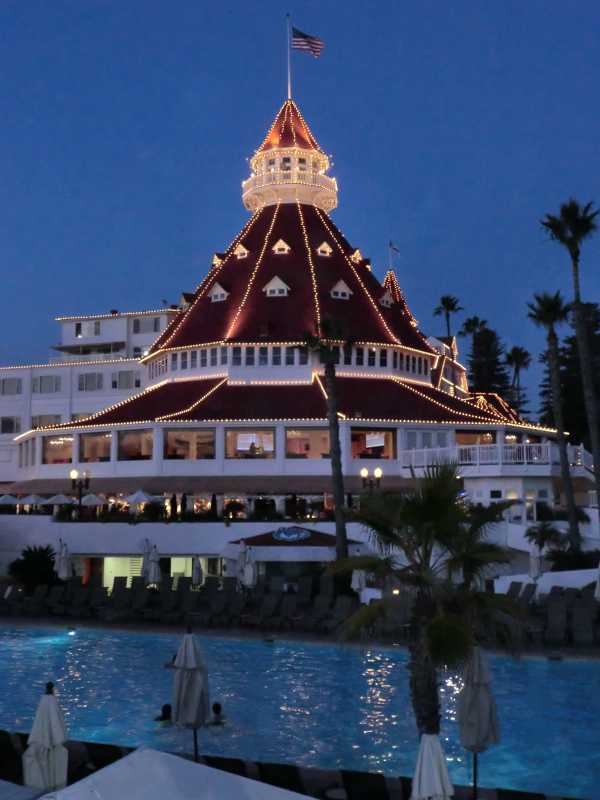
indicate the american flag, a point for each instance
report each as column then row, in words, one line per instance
column 303, row 41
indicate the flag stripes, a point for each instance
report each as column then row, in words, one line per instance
column 304, row 41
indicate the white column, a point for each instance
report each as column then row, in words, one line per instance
column 346, row 451
column 157, row 450
column 280, row 447
column 114, row 446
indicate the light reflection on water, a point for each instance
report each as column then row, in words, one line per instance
column 309, row 704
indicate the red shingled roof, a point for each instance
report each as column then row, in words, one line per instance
column 289, row 130
column 359, row 398
column 248, row 315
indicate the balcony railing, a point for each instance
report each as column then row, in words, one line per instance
column 279, row 177
column 495, row 454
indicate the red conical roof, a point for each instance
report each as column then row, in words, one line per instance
column 289, row 129
column 248, row 314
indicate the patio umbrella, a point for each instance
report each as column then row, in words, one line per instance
column 92, row 500
column 46, row 759
column 8, row 500
column 58, row 500
column 139, row 497
column 431, row 781
column 154, row 573
column 249, row 575
column 190, row 688
column 146, row 558
column 31, row 500
column 359, row 580
column 241, row 561
column 63, row 562
column 477, row 718
column 197, row 575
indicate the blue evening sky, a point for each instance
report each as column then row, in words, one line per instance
column 125, row 126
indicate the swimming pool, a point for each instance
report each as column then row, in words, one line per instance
column 307, row 703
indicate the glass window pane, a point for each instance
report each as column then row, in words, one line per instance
column 249, row 356
column 307, row 443
column 290, row 356
column 250, row 443
column 135, row 445
column 376, row 443
column 411, row 440
column 57, row 449
column 360, row 356
column 237, row 356
column 371, row 357
column 276, row 356
column 263, row 356
column 94, row 447
column 189, row 444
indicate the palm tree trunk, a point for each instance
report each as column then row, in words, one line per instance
column 448, row 323
column 574, row 535
column 587, row 382
column 423, row 674
column 337, row 475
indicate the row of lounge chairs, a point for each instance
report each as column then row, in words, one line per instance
column 563, row 616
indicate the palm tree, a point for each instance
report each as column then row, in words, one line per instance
column 327, row 346
column 547, row 311
column 545, row 534
column 519, row 359
column 571, row 228
column 471, row 327
column 422, row 536
column 448, row 305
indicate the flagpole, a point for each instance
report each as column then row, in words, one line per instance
column 289, row 57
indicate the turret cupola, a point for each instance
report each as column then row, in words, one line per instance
column 289, row 166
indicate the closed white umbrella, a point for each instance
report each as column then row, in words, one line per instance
column 597, row 589
column 359, row 580
column 139, row 497
column 241, row 561
column 154, row 573
column 190, row 688
column 477, row 717
column 92, row 500
column 146, row 559
column 250, row 574
column 535, row 563
column 8, row 500
column 197, row 575
column 46, row 759
column 63, row 562
column 58, row 500
column 431, row 781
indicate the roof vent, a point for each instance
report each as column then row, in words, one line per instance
column 324, row 249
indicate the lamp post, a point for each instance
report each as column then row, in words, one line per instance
column 374, row 482
column 78, row 484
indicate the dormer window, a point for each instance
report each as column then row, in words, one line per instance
column 281, row 248
column 276, row 288
column 240, row 251
column 341, row 291
column 217, row 293
column 324, row 249
column 386, row 300
column 356, row 257
column 217, row 260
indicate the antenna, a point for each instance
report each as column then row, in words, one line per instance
column 289, row 56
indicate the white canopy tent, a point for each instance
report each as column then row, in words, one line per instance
column 92, row 501
column 152, row 775
column 31, row 500
column 139, row 498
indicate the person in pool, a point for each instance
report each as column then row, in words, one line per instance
column 165, row 717
column 217, row 718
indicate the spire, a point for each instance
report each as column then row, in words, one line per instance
column 390, row 283
column 289, row 166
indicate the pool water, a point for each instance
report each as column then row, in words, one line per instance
column 323, row 705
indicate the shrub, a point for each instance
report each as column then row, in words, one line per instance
column 34, row 568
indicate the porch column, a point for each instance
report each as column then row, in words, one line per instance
column 114, row 446
column 500, row 441
column 157, row 449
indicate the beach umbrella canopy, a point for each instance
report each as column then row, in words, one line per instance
column 197, row 575
column 92, row 500
column 31, row 500
column 190, row 688
column 46, row 759
column 63, row 562
column 431, row 781
column 477, row 716
column 58, row 500
column 8, row 500
column 154, row 573
column 139, row 497
column 359, row 580
column 250, row 574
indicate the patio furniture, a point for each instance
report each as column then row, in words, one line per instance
column 267, row 609
column 187, row 604
column 35, row 605
column 286, row 613
column 514, row 590
column 583, row 616
column 312, row 616
column 98, row 599
column 344, row 607
column 556, row 621
column 231, row 614
column 166, row 603
column 54, row 598
column 285, row 776
column 527, row 595
column 79, row 605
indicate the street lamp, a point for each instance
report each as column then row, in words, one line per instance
column 374, row 482
column 78, row 484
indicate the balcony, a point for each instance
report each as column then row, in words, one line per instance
column 478, row 458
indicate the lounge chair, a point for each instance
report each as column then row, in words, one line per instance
column 345, row 605
column 165, row 603
column 211, row 604
column 79, row 605
column 284, row 776
column 98, row 599
column 583, row 616
column 53, row 597
column 364, row 785
column 36, row 604
column 327, row 585
column 286, row 613
column 276, row 584
column 117, row 604
column 313, row 615
column 571, row 595
column 527, row 595
column 514, row 590
column 138, row 583
column 183, row 584
column 188, row 604
column 395, row 620
column 588, row 591
column 231, row 614
column 229, row 585
column 305, row 590
column 556, row 621
column 267, row 609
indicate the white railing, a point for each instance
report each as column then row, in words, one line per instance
column 279, row 177
column 490, row 454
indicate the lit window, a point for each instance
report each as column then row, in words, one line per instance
column 263, row 356
column 286, row 163
column 290, row 353
column 307, row 443
column 277, row 356
column 217, row 293
column 57, row 449
column 373, row 443
column 184, row 360
column 214, row 353
column 203, row 358
column 134, row 445
column 240, row 251
column 247, row 443
column 249, row 356
column 43, row 420
column 187, row 444
column 302, row 164
column 281, row 248
column 94, row 447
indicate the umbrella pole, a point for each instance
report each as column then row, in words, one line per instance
column 475, row 776
column 196, row 745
